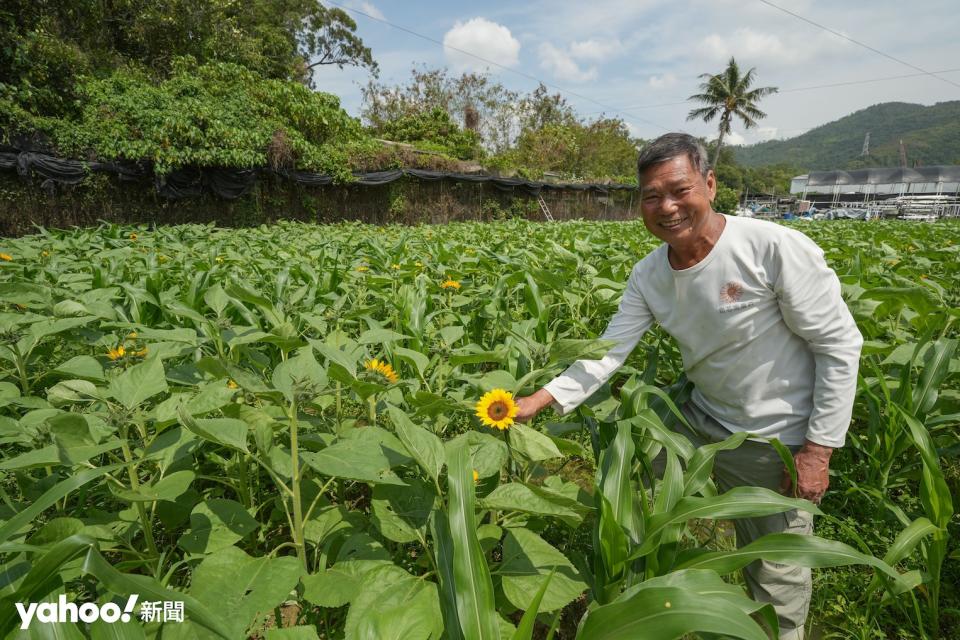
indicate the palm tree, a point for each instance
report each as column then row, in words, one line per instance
column 728, row 94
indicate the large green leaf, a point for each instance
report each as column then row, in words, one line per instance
column 341, row 583
column 936, row 367
column 228, row 432
column 615, row 468
column 667, row 613
column 739, row 502
column 788, row 548
column 393, row 605
column 531, row 444
column 471, row 576
column 424, row 446
column 935, row 495
column 167, row 488
column 361, row 460
column 528, row 498
column 487, row 453
column 215, row 525
column 529, row 620
column 300, row 374
column 85, row 367
column 527, row 560
column 402, row 513
column 230, row 580
column 138, row 383
column 700, row 465
column 567, row 350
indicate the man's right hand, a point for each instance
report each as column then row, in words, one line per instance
column 529, row 406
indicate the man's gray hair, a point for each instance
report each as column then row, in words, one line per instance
column 670, row 146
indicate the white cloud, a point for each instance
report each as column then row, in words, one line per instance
column 483, row 38
column 372, row 10
column 755, row 47
column 762, row 134
column 367, row 7
column 747, row 43
column 662, row 81
column 734, row 138
column 595, row 49
column 560, row 64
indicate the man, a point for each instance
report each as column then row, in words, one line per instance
column 765, row 337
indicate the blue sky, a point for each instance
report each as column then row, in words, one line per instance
column 639, row 58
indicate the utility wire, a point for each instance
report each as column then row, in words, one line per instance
column 810, row 88
column 858, row 43
column 496, row 64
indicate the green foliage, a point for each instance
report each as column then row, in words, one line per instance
column 48, row 47
column 436, row 128
column 241, row 452
column 931, row 135
column 753, row 180
column 434, row 111
column 588, row 151
column 216, row 114
column 726, row 95
column 726, row 200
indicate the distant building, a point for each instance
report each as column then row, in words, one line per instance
column 889, row 190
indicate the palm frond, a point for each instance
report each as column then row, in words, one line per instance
column 705, row 113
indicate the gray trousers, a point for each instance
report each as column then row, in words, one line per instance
column 757, row 464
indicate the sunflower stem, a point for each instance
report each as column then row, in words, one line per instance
column 298, row 539
column 513, row 461
column 339, row 403
column 372, row 402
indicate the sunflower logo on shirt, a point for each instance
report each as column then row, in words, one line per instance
column 731, row 292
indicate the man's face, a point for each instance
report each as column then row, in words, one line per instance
column 675, row 201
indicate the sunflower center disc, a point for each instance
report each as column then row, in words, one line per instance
column 498, row 410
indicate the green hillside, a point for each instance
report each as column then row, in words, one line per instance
column 931, row 136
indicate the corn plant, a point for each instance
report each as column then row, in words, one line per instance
column 278, row 423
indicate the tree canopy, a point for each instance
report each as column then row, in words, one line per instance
column 51, row 48
column 728, row 94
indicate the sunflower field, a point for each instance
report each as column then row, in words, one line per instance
column 298, row 431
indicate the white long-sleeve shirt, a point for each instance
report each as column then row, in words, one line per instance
column 765, row 336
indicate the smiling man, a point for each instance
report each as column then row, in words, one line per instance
column 765, row 337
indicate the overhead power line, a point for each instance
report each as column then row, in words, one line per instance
column 810, row 88
column 496, row 64
column 858, row 43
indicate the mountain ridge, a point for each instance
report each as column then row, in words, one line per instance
column 931, row 135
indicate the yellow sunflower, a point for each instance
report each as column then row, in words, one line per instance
column 383, row 368
column 133, row 237
column 497, row 409
column 476, row 476
column 232, row 385
column 450, row 284
column 6, row 257
column 362, row 268
column 116, row 354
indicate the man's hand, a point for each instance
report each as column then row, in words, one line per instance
column 813, row 465
column 529, row 406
